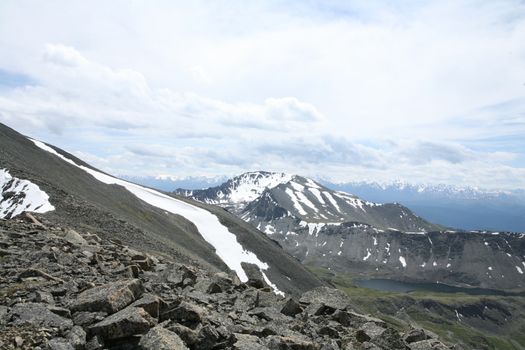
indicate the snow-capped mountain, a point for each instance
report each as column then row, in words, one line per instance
column 260, row 197
column 40, row 178
column 462, row 207
column 344, row 233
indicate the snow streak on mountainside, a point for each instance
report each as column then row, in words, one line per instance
column 18, row 196
column 218, row 235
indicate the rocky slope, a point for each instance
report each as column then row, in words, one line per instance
column 67, row 289
column 344, row 233
column 85, row 198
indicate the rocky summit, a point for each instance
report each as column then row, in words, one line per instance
column 63, row 289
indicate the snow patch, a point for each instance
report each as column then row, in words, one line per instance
column 24, row 196
column 403, row 261
column 209, row 226
column 295, row 201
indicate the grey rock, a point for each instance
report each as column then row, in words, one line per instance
column 372, row 330
column 177, row 274
column 290, row 343
column 330, row 297
column 44, row 297
column 429, row 344
column 185, row 313
column 291, row 308
column 247, row 342
column 77, row 337
column 255, row 276
column 415, row 335
column 4, row 315
column 84, row 318
column 159, row 338
column 95, row 343
column 127, row 322
column 109, row 298
column 188, row 335
column 75, row 238
column 39, row 315
column 151, row 303
column 59, row 344
column 61, row 311
column 208, row 338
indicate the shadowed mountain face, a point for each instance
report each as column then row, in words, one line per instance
column 89, row 200
column 343, row 233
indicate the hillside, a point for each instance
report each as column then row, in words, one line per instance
column 88, row 199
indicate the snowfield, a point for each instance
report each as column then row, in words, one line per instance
column 27, row 196
column 218, row 235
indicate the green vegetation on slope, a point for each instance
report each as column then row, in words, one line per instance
column 481, row 321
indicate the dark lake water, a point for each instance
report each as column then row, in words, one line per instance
column 387, row 285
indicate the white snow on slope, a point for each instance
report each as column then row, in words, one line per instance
column 295, row 201
column 403, row 261
column 306, row 201
column 218, row 235
column 249, row 189
column 519, row 270
column 317, row 194
column 29, row 197
column 332, row 200
column 367, row 254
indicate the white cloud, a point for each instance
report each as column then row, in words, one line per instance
column 341, row 88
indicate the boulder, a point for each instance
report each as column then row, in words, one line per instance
column 372, row 330
column 132, row 320
column 188, row 335
column 159, row 338
column 59, row 344
column 77, row 337
column 74, row 238
column 84, row 318
column 95, row 343
column 290, row 343
column 429, row 344
column 38, row 315
column 415, row 335
column 355, row 320
column 151, row 303
column 178, row 274
column 247, row 342
column 329, row 297
column 255, row 276
column 185, row 313
column 109, row 298
column 291, row 308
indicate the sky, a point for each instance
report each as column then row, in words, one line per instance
column 417, row 91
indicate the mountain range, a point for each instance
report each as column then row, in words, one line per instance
column 463, row 207
column 244, row 264
column 346, row 234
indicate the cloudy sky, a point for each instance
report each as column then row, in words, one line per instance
column 420, row 91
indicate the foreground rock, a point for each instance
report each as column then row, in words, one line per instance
column 109, row 298
column 82, row 293
column 159, row 338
